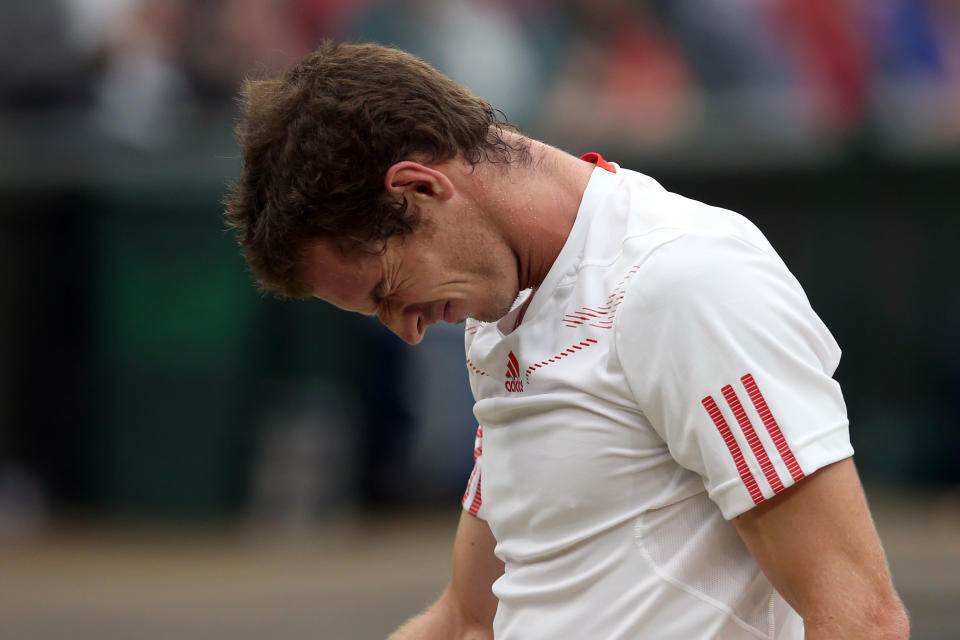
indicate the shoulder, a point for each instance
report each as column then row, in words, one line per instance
column 708, row 300
column 691, row 267
column 702, row 291
column 670, row 271
column 640, row 221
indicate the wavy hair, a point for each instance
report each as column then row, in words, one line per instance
column 318, row 141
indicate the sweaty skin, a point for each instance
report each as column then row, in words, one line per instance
column 490, row 231
column 481, row 240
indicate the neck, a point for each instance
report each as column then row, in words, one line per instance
column 541, row 206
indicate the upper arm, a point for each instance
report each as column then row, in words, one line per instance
column 732, row 367
column 817, row 545
column 475, row 568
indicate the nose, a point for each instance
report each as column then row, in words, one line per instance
column 409, row 325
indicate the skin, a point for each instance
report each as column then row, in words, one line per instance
column 467, row 607
column 488, row 232
column 483, row 237
column 815, row 542
column 817, row 545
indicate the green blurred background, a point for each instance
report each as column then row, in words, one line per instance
column 147, row 389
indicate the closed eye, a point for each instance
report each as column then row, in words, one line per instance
column 377, row 295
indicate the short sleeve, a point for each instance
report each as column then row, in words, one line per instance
column 472, row 500
column 733, row 368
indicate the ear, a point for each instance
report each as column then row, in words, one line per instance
column 414, row 180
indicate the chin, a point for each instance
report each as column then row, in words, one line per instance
column 494, row 313
column 488, row 317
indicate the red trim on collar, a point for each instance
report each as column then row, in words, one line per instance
column 597, row 159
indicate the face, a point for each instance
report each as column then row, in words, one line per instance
column 435, row 273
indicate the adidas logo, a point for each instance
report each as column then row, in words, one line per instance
column 513, row 383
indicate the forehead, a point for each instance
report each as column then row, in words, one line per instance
column 343, row 279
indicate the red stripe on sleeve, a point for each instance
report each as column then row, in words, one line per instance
column 745, row 474
column 759, row 451
column 772, row 427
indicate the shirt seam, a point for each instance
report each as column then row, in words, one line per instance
column 683, row 232
column 693, row 591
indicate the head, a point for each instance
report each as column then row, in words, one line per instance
column 454, row 265
column 318, row 145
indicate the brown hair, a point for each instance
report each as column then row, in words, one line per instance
column 318, row 141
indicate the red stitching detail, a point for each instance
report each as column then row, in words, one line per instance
column 474, row 368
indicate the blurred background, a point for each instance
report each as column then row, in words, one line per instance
column 182, row 457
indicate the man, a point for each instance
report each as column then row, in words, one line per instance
column 662, row 452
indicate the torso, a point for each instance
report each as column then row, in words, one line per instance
column 602, row 533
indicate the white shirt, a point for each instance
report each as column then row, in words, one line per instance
column 668, row 375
